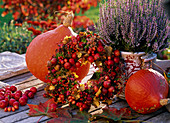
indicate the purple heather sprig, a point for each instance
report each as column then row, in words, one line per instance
column 134, row 25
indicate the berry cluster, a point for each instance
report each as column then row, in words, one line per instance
column 73, row 52
column 11, row 98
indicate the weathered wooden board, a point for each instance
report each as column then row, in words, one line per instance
column 12, row 64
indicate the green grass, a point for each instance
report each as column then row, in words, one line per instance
column 92, row 13
column 6, row 19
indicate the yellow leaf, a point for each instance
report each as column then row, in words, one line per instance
column 79, row 54
column 96, row 101
column 98, row 92
column 109, row 101
column 51, row 87
column 75, row 75
column 82, row 87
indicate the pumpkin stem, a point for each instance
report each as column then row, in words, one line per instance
column 165, row 101
column 68, row 20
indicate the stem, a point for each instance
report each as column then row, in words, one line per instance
column 68, row 20
column 40, row 119
column 164, row 102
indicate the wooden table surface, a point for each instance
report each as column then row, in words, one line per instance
column 27, row 80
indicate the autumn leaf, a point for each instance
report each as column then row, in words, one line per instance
column 42, row 109
column 115, row 114
column 80, row 117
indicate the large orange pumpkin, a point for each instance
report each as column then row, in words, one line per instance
column 146, row 90
column 43, row 47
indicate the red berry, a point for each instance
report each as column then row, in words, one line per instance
column 2, row 97
column 45, row 95
column 13, row 88
column 104, row 91
column 33, row 90
column 6, row 109
column 53, row 107
column 91, row 59
column 78, row 64
column 22, row 101
column 84, row 106
column 26, row 92
column 111, row 89
column 73, row 102
column 7, row 88
column 25, row 96
column 67, row 65
column 54, row 81
column 106, row 77
column 31, row 95
column 71, row 60
column 96, row 88
column 53, row 60
column 107, row 84
column 13, row 95
column 11, row 101
column 17, row 96
column 9, row 109
column 13, row 109
column 81, row 44
column 3, row 104
column 116, row 52
column 81, row 108
column 20, row 92
column 1, row 93
column 96, row 56
column 100, row 48
column 110, row 62
column 116, row 59
column 16, row 105
column 74, row 55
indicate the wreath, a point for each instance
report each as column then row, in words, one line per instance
column 74, row 51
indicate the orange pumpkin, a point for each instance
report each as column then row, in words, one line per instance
column 43, row 47
column 146, row 90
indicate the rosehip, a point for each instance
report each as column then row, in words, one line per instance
column 67, row 65
column 26, row 92
column 100, row 48
column 11, row 101
column 9, row 109
column 33, row 90
column 13, row 88
column 116, row 59
column 31, row 95
column 107, row 84
column 104, row 91
column 54, row 81
column 22, row 101
column 91, row 59
column 25, row 96
column 71, row 60
column 81, row 44
column 53, row 60
column 3, row 104
column 13, row 109
column 20, row 92
column 116, row 52
column 74, row 55
column 17, row 96
column 6, row 109
column 110, row 62
column 78, row 64
column 111, row 89
column 96, row 56
column 16, row 105
column 2, row 97
column 53, row 107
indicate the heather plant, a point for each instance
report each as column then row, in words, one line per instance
column 134, row 25
column 15, row 38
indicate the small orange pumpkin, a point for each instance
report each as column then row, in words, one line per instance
column 146, row 91
column 43, row 47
